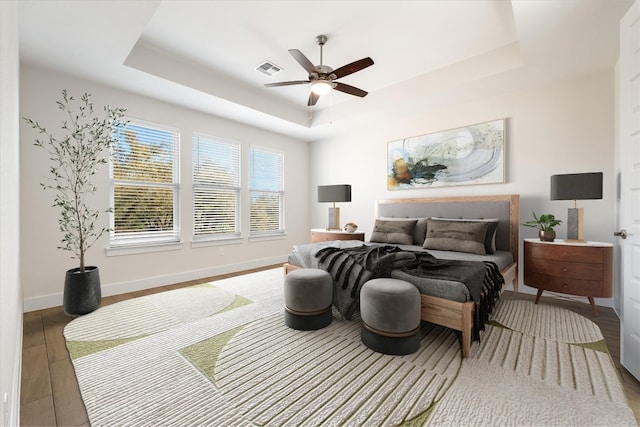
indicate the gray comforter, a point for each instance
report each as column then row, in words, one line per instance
column 352, row 264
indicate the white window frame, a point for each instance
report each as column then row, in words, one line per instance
column 216, row 237
column 150, row 238
column 281, row 192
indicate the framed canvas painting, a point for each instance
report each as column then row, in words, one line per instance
column 463, row 156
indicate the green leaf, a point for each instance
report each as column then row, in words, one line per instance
column 74, row 157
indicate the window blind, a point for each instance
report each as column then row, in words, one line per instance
column 266, row 192
column 144, row 172
column 216, row 187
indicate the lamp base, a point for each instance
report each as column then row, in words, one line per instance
column 575, row 225
column 334, row 219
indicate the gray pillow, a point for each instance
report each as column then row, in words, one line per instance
column 490, row 238
column 393, row 231
column 419, row 232
column 458, row 236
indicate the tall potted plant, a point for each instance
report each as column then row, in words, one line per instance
column 75, row 156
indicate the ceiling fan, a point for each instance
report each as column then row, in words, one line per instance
column 322, row 77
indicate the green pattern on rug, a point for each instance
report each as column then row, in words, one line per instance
column 496, row 324
column 421, row 419
column 596, row 345
column 202, row 285
column 239, row 301
column 242, row 365
column 240, row 362
column 599, row 345
column 84, row 348
column 204, row 355
column 145, row 312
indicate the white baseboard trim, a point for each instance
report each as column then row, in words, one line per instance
column 55, row 300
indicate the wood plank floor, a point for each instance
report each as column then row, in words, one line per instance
column 51, row 397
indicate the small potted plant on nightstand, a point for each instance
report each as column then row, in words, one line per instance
column 544, row 223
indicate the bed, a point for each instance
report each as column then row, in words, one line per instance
column 452, row 309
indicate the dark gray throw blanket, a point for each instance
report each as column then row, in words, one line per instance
column 352, row 267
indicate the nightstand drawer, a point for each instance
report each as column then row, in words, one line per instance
column 573, row 270
column 581, row 287
column 585, row 254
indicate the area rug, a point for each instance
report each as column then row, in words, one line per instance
column 219, row 354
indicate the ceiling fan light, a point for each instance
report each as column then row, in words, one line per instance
column 321, row 87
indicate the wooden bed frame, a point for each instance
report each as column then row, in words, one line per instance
column 452, row 314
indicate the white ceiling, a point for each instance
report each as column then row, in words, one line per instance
column 203, row 54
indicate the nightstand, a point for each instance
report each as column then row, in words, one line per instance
column 583, row 269
column 322, row 235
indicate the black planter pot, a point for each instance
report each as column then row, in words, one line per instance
column 82, row 293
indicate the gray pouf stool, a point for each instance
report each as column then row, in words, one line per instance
column 308, row 293
column 390, row 311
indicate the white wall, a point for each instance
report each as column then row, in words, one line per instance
column 43, row 266
column 561, row 127
column 10, row 289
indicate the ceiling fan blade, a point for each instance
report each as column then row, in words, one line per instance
column 313, row 98
column 351, row 90
column 353, row 67
column 303, row 60
column 294, row 82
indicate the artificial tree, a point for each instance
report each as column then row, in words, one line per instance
column 75, row 157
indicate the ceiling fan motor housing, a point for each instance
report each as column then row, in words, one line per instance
column 324, row 73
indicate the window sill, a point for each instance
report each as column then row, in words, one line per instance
column 141, row 249
column 267, row 237
column 203, row 243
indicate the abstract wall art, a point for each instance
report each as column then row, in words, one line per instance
column 467, row 155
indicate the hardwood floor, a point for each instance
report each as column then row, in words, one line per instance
column 51, row 397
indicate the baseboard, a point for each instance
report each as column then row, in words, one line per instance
column 55, row 300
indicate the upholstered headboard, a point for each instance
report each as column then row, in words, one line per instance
column 504, row 207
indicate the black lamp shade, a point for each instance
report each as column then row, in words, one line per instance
column 576, row 186
column 334, row 193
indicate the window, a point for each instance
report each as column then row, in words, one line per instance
column 144, row 190
column 266, row 192
column 216, row 188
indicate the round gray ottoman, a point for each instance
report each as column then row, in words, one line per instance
column 390, row 311
column 308, row 293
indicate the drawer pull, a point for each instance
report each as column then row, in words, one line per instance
column 564, row 285
column 565, row 270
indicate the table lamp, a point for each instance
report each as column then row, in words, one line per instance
column 576, row 186
column 333, row 194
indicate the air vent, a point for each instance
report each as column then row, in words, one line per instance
column 269, row 68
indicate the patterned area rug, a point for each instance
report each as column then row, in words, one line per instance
column 220, row 354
